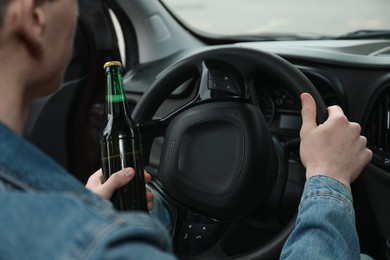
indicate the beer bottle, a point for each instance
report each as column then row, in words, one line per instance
column 121, row 142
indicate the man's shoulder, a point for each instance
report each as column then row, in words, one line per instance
column 26, row 167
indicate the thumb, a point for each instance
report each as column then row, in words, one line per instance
column 115, row 181
column 308, row 112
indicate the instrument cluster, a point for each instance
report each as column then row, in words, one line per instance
column 280, row 108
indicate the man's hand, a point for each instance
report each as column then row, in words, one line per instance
column 334, row 148
column 105, row 189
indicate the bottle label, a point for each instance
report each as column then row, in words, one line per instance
column 116, row 98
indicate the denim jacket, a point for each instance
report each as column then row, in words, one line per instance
column 325, row 225
column 45, row 213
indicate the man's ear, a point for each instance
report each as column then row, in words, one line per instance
column 30, row 21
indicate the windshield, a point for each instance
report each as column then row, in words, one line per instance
column 330, row 18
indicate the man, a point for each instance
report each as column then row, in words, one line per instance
column 47, row 214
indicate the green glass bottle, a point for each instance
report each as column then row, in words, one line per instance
column 121, row 142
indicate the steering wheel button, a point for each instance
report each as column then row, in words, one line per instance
column 213, row 75
column 223, row 86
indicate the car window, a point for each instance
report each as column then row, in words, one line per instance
column 301, row 17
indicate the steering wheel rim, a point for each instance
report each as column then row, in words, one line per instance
column 153, row 98
column 188, row 67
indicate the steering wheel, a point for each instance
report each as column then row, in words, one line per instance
column 218, row 162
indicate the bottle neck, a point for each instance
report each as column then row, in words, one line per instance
column 116, row 102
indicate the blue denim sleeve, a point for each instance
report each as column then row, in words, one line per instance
column 325, row 225
column 46, row 213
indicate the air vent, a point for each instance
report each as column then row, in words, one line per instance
column 378, row 130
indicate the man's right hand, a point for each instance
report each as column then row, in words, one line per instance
column 105, row 189
column 334, row 148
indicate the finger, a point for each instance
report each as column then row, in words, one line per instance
column 149, row 199
column 149, row 195
column 148, row 177
column 336, row 111
column 115, row 181
column 95, row 179
column 308, row 112
column 120, row 178
column 369, row 155
column 150, row 205
column 356, row 128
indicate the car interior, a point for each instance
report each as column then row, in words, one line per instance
column 220, row 120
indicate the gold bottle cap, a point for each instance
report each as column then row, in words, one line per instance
column 112, row 63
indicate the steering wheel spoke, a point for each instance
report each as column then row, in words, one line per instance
column 218, row 80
